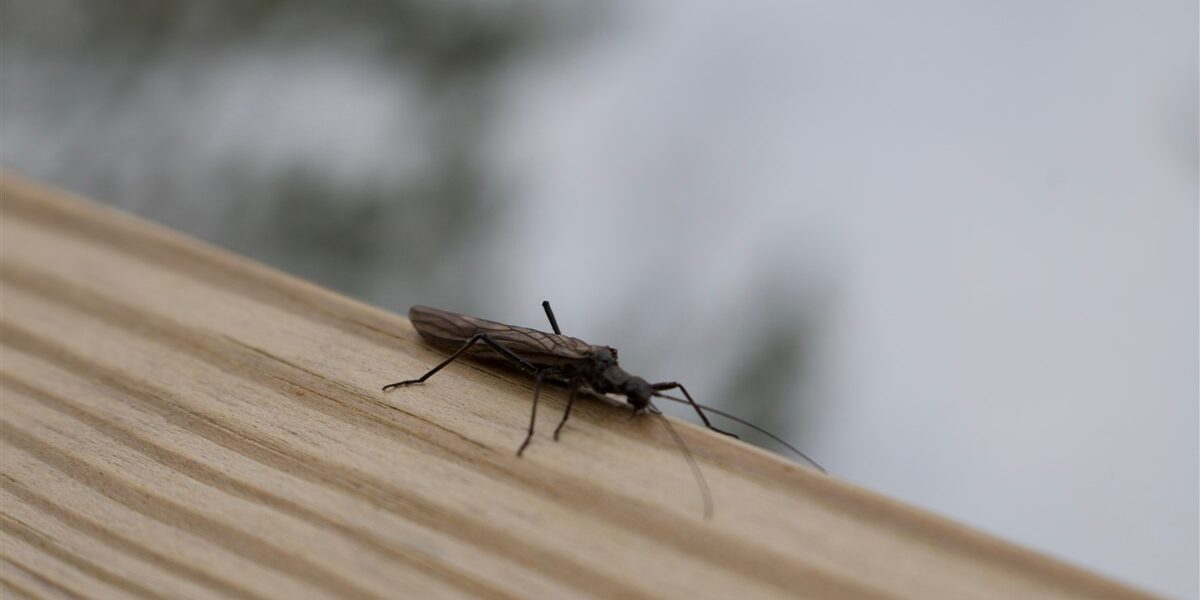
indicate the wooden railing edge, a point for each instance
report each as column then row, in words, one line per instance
column 70, row 213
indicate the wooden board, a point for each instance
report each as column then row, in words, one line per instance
column 180, row 422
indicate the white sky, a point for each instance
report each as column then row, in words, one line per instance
column 1003, row 198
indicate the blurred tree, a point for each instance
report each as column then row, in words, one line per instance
column 772, row 384
column 193, row 113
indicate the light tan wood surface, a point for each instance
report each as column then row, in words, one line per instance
column 180, row 422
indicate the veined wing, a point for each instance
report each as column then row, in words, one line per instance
column 448, row 331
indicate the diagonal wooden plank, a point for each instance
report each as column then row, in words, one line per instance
column 217, row 428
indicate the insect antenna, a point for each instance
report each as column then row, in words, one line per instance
column 747, row 424
column 687, row 453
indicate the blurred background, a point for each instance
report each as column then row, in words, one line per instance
column 949, row 249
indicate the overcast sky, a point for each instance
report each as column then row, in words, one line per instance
column 1000, row 198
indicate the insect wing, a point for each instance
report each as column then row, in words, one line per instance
column 449, row 330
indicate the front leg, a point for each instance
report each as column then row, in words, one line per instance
column 670, row 385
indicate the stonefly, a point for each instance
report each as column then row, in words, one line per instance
column 565, row 360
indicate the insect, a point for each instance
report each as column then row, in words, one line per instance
column 561, row 359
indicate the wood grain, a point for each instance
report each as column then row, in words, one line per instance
column 180, row 422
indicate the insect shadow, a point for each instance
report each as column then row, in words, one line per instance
column 565, row 360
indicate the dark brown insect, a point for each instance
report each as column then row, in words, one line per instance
column 561, row 359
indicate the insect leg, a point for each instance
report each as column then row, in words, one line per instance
column 509, row 354
column 567, row 411
column 550, row 315
column 670, row 385
column 537, row 389
column 505, row 352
